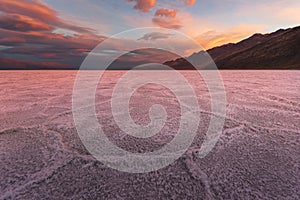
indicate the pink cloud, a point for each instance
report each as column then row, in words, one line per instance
column 27, row 28
column 167, row 22
column 167, row 19
column 39, row 12
column 166, row 13
column 22, row 23
column 189, row 2
column 11, row 40
column 143, row 5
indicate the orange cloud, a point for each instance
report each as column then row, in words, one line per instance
column 143, row 5
column 167, row 19
column 189, row 2
column 170, row 23
column 166, row 13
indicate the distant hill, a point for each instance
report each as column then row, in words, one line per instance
column 10, row 64
column 278, row 50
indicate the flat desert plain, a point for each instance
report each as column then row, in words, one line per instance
column 256, row 157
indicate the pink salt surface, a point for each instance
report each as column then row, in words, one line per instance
column 257, row 156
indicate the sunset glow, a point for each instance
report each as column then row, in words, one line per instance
column 62, row 32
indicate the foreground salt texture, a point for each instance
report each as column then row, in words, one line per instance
column 257, row 156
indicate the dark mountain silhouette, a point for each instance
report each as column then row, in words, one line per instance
column 9, row 64
column 278, row 50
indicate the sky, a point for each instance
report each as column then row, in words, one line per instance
column 59, row 34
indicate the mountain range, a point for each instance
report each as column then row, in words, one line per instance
column 277, row 50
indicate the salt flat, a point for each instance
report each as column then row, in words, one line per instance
column 256, row 157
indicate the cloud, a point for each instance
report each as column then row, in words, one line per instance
column 171, row 23
column 155, row 36
column 143, row 5
column 11, row 40
column 28, row 30
column 39, row 12
column 163, row 17
column 43, row 44
column 189, row 2
column 22, row 23
column 166, row 13
column 167, row 19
